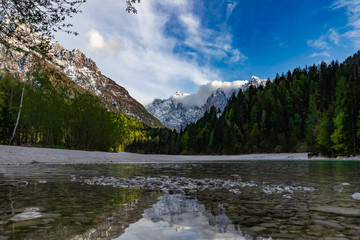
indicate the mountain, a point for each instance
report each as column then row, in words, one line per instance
column 84, row 72
column 181, row 109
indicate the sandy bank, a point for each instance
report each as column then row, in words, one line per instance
column 24, row 155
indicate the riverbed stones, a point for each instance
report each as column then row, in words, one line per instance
column 180, row 184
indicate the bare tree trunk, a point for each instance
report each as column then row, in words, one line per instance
column 19, row 113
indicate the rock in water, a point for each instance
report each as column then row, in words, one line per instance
column 338, row 188
column 28, row 214
column 350, row 212
column 356, row 196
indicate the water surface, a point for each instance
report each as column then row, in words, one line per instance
column 224, row 200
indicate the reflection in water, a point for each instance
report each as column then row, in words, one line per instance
column 283, row 200
column 178, row 217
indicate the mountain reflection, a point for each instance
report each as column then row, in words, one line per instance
column 179, row 217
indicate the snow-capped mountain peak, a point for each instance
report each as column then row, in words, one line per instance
column 255, row 81
column 181, row 109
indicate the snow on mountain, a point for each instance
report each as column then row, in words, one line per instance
column 181, row 109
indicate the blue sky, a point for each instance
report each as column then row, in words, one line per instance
column 175, row 45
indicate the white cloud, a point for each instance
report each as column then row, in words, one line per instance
column 230, row 8
column 334, row 36
column 208, row 42
column 234, row 54
column 204, row 91
column 143, row 56
column 321, row 54
column 319, row 43
column 96, row 42
column 190, row 22
column 353, row 14
column 324, row 43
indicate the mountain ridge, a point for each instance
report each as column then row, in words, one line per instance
column 84, row 72
column 177, row 112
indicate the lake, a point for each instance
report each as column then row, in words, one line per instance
column 215, row 200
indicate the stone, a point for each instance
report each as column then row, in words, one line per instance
column 328, row 224
column 298, row 223
column 269, row 225
column 350, row 212
column 353, row 232
column 28, row 214
column 316, row 228
column 356, row 196
column 235, row 177
column 282, row 227
column 235, row 191
column 335, row 238
column 338, row 188
column 257, row 229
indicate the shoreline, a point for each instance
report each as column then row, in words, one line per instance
column 12, row 155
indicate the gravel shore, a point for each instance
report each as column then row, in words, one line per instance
column 25, row 155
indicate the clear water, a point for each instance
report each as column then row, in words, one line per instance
column 277, row 199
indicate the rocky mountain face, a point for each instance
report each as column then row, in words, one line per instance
column 176, row 115
column 84, row 72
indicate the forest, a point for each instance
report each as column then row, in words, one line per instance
column 56, row 115
column 312, row 109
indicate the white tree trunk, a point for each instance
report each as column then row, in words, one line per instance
column 19, row 113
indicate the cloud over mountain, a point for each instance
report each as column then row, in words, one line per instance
column 204, row 91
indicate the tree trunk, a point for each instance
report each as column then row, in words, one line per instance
column 19, row 113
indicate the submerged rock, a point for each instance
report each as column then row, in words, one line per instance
column 350, row 212
column 28, row 214
column 338, row 188
column 72, row 178
column 20, row 184
column 356, row 196
column 329, row 224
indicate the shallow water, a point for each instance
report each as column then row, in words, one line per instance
column 227, row 200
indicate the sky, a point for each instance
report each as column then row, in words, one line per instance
column 172, row 45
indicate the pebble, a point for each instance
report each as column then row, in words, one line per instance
column 257, row 229
column 356, row 196
column 338, row 188
column 72, row 178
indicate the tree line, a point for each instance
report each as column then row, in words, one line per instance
column 314, row 109
column 57, row 115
